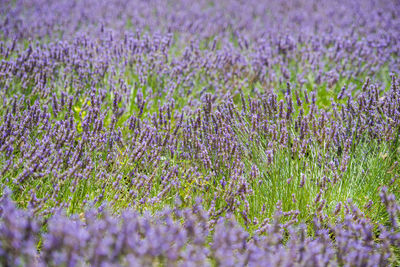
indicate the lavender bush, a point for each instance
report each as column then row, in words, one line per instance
column 222, row 133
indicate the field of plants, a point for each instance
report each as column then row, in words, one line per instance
column 199, row 133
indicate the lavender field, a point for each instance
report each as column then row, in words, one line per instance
column 199, row 133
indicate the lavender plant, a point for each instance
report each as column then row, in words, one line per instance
column 223, row 133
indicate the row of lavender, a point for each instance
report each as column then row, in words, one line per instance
column 97, row 239
column 377, row 21
column 236, row 105
column 139, row 125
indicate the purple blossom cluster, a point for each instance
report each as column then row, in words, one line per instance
column 251, row 20
column 96, row 238
column 270, row 127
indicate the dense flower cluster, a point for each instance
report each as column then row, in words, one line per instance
column 96, row 238
column 270, row 127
